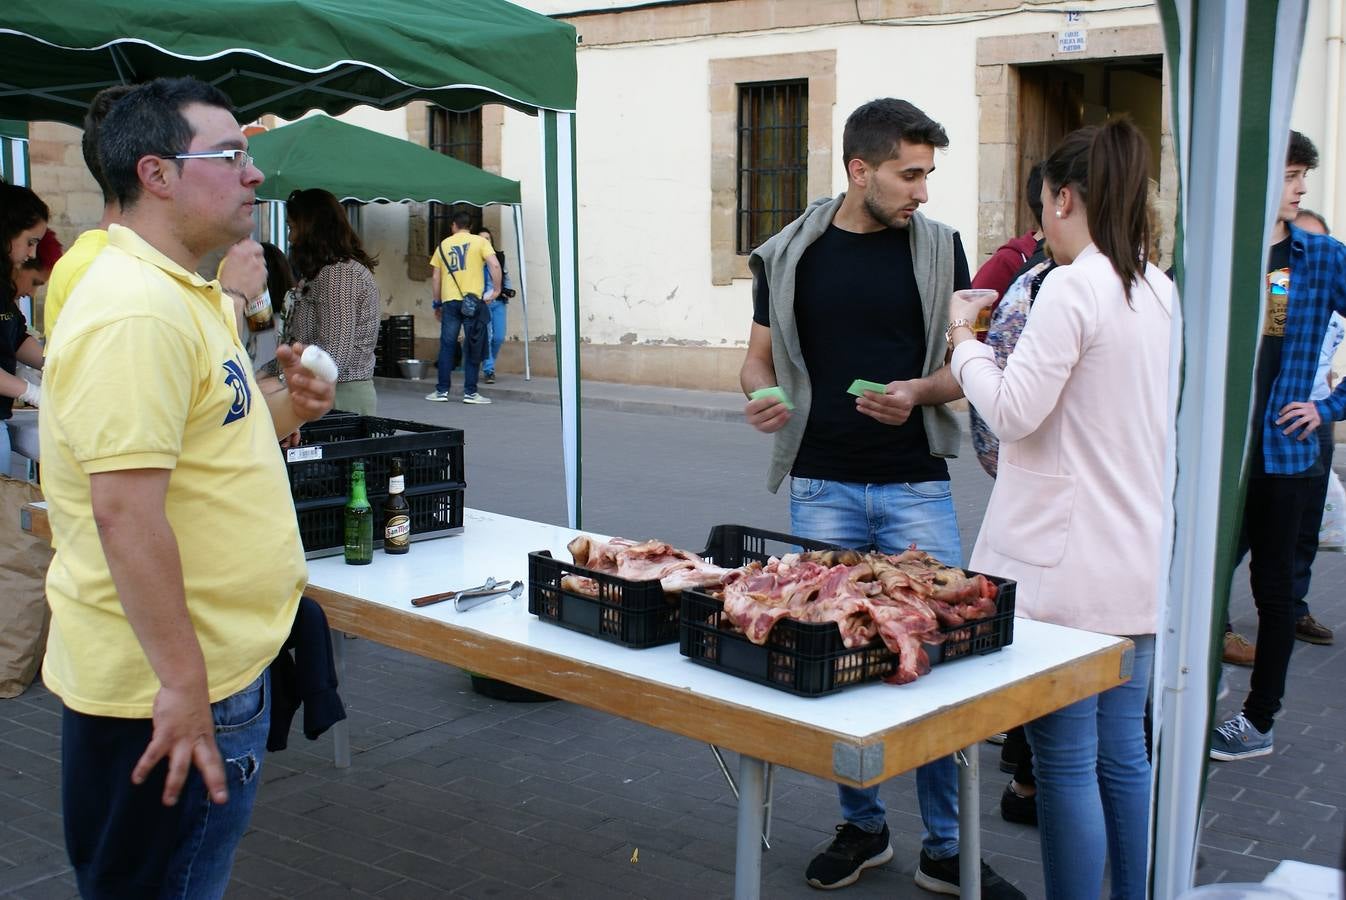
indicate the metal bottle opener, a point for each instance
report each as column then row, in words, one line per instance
column 467, row 598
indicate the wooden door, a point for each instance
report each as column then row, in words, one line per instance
column 1051, row 105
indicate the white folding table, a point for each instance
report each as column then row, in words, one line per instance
column 861, row 735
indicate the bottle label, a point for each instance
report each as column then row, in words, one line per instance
column 395, row 484
column 397, row 530
column 258, row 312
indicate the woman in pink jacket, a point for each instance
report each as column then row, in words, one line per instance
column 1082, row 412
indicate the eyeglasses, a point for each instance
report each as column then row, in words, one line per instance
column 240, row 159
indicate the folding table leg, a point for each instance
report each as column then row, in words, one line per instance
column 969, row 822
column 748, row 842
column 341, row 731
column 770, row 786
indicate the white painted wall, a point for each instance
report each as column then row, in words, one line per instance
column 644, row 162
column 1310, row 115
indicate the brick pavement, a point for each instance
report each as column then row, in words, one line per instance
column 453, row 793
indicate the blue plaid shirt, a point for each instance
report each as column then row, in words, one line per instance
column 1317, row 289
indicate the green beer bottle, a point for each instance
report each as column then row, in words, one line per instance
column 359, row 521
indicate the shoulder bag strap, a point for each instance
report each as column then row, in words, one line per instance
column 461, row 295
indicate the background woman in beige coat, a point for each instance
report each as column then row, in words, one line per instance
column 1076, row 516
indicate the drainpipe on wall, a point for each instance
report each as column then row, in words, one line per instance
column 1331, row 202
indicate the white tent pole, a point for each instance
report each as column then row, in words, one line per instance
column 15, row 168
column 1209, row 133
column 21, row 174
column 1211, row 50
column 521, row 265
column 568, row 326
column 558, row 155
column 280, row 235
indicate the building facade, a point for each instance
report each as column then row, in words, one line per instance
column 703, row 126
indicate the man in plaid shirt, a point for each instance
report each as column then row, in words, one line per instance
column 1305, row 283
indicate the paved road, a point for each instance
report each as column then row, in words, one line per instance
column 452, row 793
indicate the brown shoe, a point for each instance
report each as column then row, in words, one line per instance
column 1309, row 629
column 1238, row 650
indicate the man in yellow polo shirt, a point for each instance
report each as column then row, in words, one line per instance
column 247, row 281
column 178, row 564
column 458, row 267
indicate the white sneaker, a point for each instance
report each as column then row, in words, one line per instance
column 475, row 398
column 438, row 396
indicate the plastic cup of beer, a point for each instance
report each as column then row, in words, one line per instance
column 973, row 295
column 258, row 312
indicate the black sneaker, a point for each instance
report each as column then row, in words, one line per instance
column 1018, row 809
column 851, row 852
column 941, row 877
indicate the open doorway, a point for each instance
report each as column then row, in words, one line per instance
column 1056, row 98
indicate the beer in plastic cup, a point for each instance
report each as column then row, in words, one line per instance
column 258, row 312
column 983, row 322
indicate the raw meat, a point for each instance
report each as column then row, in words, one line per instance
column 648, row 561
column 903, row 599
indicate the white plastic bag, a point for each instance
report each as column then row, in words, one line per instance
column 1332, row 533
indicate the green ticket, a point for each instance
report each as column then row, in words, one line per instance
column 773, row 391
column 859, row 386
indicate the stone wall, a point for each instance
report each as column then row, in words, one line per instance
column 61, row 179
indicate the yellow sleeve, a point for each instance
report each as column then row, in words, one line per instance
column 122, row 394
column 435, row 260
column 64, row 276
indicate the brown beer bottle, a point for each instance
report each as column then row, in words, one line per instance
column 396, row 513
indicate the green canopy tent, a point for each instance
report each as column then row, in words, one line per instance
column 286, row 57
column 355, row 163
column 358, row 164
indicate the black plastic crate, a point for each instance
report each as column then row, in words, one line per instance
column 810, row 659
column 396, row 341
column 638, row 613
column 319, row 472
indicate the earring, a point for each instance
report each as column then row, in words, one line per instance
column 1058, row 214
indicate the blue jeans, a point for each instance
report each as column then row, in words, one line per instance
column 888, row 518
column 1094, row 788
column 6, row 460
column 122, row 840
column 495, row 334
column 451, row 321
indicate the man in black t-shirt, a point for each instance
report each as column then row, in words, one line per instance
column 858, row 288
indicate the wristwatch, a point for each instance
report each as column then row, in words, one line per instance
column 956, row 323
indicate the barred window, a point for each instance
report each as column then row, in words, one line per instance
column 773, row 150
column 456, row 134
